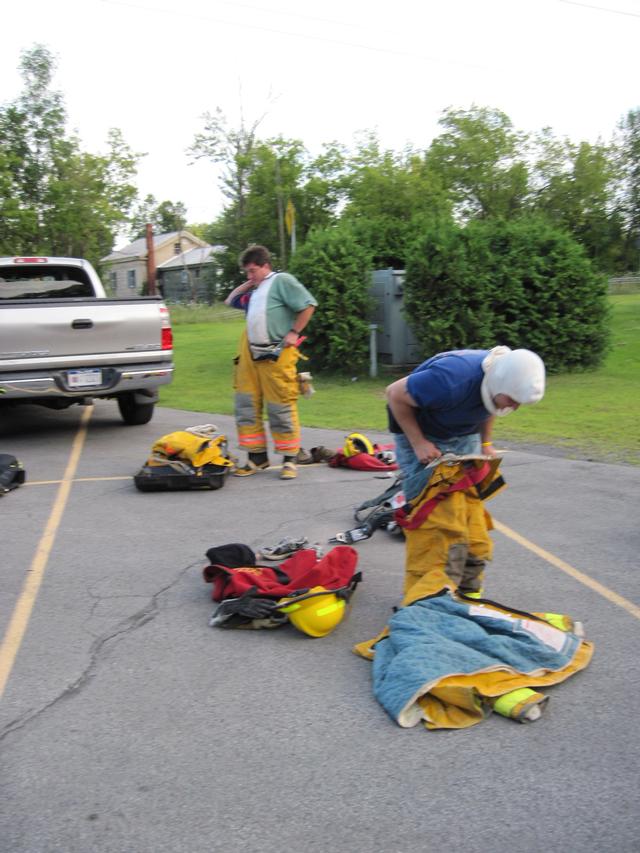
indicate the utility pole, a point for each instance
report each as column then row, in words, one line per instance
column 290, row 222
column 283, row 245
column 151, row 261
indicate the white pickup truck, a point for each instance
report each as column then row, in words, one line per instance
column 63, row 341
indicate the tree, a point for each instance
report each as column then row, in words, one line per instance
column 233, row 148
column 390, row 198
column 31, row 128
column 165, row 217
column 629, row 160
column 275, row 179
column 54, row 197
column 321, row 193
column 573, row 186
column 258, row 183
column 521, row 283
column 481, row 162
column 336, row 268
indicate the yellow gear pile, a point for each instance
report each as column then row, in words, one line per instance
column 193, row 458
column 197, row 446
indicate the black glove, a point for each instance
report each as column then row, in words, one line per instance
column 249, row 606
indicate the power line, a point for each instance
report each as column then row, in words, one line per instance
column 291, row 14
column 311, row 37
column 601, row 8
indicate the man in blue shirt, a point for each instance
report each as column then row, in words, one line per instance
column 448, row 405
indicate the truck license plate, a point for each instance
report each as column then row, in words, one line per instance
column 84, row 378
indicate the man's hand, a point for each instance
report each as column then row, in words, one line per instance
column 290, row 339
column 426, row 451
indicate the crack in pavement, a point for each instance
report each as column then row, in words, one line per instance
column 274, row 531
column 124, row 628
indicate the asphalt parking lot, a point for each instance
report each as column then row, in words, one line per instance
column 128, row 724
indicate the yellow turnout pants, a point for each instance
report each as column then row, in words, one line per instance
column 272, row 385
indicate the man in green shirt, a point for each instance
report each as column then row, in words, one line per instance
column 278, row 308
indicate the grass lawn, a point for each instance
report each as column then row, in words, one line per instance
column 596, row 412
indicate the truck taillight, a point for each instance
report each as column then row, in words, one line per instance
column 166, row 335
column 31, row 260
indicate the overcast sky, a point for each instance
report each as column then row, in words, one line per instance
column 322, row 71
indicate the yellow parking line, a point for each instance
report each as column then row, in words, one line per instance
column 77, row 480
column 601, row 589
column 22, row 611
column 129, row 477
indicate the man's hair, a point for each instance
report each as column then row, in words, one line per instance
column 258, row 255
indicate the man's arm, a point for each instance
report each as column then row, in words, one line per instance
column 403, row 408
column 238, row 291
column 299, row 323
column 485, row 437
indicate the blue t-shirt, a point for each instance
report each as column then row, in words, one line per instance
column 446, row 388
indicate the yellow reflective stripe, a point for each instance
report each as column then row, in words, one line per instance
column 506, row 703
column 289, row 608
column 330, row 608
column 558, row 620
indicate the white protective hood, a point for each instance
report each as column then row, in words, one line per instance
column 518, row 373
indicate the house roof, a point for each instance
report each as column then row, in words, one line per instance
column 192, row 257
column 138, row 249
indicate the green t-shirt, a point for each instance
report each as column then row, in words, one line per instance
column 285, row 300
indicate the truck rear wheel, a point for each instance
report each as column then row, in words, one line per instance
column 134, row 413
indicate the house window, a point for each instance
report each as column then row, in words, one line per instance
column 131, row 279
column 177, row 248
column 113, row 281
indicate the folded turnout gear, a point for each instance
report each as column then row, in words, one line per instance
column 194, row 458
column 254, row 596
column 448, row 662
column 12, row 474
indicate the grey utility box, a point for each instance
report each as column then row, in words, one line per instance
column 396, row 343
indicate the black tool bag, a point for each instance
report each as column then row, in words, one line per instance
column 180, row 476
column 12, row 474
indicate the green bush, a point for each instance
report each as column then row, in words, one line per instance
column 522, row 283
column 336, row 268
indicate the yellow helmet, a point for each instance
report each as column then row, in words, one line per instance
column 316, row 613
column 356, row 443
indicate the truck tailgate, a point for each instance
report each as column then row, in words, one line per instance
column 53, row 329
